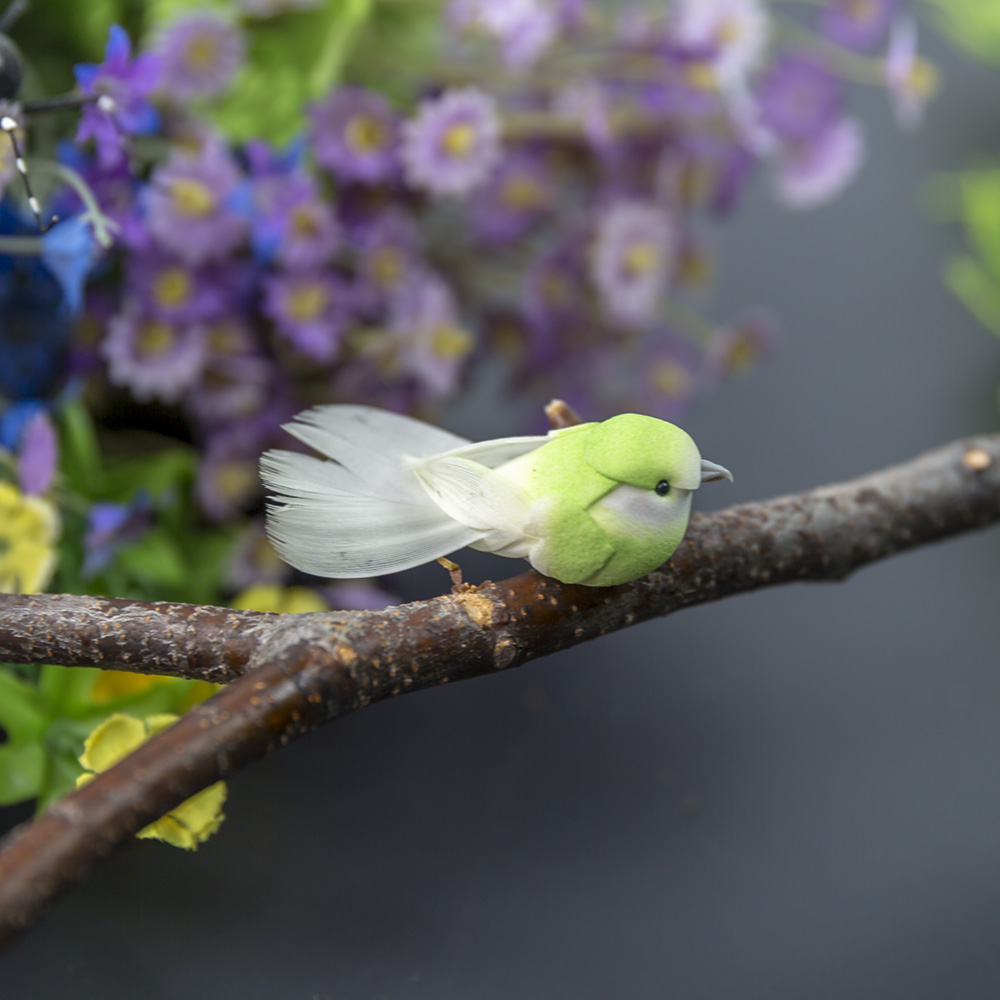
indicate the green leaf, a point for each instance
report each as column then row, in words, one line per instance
column 981, row 214
column 155, row 560
column 21, row 713
column 293, row 58
column 76, row 690
column 22, row 772
column 165, row 469
column 51, row 687
column 973, row 24
column 352, row 15
column 60, row 778
column 976, row 289
column 80, row 454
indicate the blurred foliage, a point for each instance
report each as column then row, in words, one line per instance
column 972, row 196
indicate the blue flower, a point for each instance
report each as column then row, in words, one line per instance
column 122, row 86
column 35, row 326
column 70, row 252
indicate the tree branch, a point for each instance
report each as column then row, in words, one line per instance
column 290, row 673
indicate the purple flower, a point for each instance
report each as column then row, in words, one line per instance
column 114, row 188
column 799, row 98
column 174, row 291
column 671, row 368
column 227, row 481
column 38, row 456
column 735, row 349
column 633, row 255
column 237, row 382
column 555, row 300
column 358, row 595
column 586, row 102
column 200, row 54
column 152, row 357
column 453, row 143
column 524, row 28
column 355, row 135
column 433, row 345
column 733, row 172
column 387, row 254
column 308, row 233
column 857, row 24
column 122, row 86
column 189, row 205
column 911, row 80
column 232, row 389
column 811, row 173
column 311, row 308
column 517, row 195
column 728, row 35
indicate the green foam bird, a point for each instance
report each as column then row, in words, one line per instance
column 598, row 504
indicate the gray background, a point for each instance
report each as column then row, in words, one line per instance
column 791, row 794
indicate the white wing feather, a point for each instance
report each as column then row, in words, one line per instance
column 474, row 494
column 370, row 510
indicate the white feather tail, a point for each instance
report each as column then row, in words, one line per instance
column 370, row 507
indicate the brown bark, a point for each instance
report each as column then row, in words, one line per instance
column 290, row 673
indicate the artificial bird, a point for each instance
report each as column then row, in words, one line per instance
column 597, row 503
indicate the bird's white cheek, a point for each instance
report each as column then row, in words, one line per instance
column 642, row 512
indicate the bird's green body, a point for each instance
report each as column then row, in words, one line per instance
column 583, row 539
column 598, row 504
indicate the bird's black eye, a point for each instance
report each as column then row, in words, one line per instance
column 662, row 488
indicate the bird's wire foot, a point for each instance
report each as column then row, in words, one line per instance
column 458, row 586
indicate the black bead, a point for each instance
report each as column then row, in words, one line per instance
column 663, row 487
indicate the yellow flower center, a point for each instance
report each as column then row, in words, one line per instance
column 860, row 10
column 922, row 80
column 191, row 197
column 224, row 338
column 387, row 267
column 173, row 287
column 450, row 342
column 458, row 139
column 742, row 354
column 522, row 193
column 236, row 479
column 694, row 268
column 728, row 32
column 556, row 290
column 307, row 302
column 670, row 378
column 641, row 258
column 700, row 75
column 154, row 338
column 201, row 53
column 365, row 133
column 304, row 222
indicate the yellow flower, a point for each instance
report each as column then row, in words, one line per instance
column 114, row 684
column 187, row 825
column 29, row 527
column 273, row 597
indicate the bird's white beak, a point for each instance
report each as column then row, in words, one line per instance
column 712, row 473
